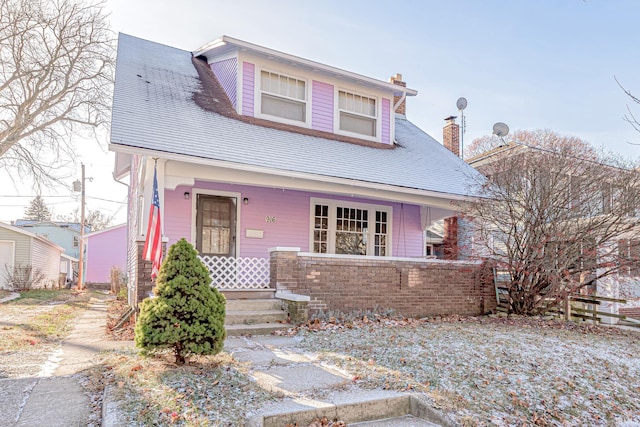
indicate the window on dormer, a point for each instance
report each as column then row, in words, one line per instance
column 357, row 113
column 283, row 96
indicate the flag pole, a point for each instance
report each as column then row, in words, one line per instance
column 153, row 240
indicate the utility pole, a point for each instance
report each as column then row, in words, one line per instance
column 81, row 258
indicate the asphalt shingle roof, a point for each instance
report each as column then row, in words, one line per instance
column 154, row 108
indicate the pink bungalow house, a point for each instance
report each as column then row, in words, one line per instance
column 263, row 156
column 105, row 249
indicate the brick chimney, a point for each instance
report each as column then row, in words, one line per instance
column 451, row 135
column 397, row 80
column 451, row 141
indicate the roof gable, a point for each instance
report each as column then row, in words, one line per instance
column 155, row 111
column 225, row 45
column 32, row 235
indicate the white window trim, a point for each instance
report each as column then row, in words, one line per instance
column 13, row 251
column 257, row 100
column 194, row 203
column 333, row 204
column 336, row 114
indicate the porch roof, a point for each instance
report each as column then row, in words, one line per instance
column 154, row 112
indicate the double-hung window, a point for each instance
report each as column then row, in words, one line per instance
column 357, row 114
column 350, row 229
column 283, row 96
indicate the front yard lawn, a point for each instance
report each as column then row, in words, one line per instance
column 503, row 372
column 479, row 371
column 32, row 326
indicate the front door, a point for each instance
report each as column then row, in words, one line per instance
column 216, row 225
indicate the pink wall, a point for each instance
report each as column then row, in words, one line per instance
column 177, row 215
column 248, row 83
column 386, row 121
column 105, row 250
column 226, row 72
column 292, row 218
column 322, row 106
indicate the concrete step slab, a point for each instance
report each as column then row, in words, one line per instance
column 253, row 304
column 353, row 406
column 255, row 329
column 255, row 316
column 405, row 421
column 248, row 294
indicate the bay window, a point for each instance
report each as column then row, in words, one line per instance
column 350, row 228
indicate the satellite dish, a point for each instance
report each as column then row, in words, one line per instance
column 461, row 103
column 500, row 129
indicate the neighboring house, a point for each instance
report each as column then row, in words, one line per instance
column 68, row 267
column 624, row 283
column 106, row 249
column 258, row 151
column 65, row 234
column 23, row 252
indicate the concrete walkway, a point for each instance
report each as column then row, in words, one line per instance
column 311, row 388
column 314, row 389
column 55, row 397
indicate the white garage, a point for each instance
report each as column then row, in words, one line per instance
column 29, row 252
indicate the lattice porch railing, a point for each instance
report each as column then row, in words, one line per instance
column 237, row 273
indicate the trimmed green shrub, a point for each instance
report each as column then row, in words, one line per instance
column 186, row 314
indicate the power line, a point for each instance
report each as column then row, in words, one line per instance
column 72, row 199
column 107, row 200
column 13, row 195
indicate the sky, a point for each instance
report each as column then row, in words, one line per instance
column 532, row 64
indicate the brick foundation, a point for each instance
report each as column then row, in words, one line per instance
column 412, row 287
column 145, row 283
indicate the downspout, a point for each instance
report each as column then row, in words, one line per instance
column 400, row 101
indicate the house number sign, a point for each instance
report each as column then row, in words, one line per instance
column 270, row 219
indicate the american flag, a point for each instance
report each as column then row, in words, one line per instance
column 153, row 242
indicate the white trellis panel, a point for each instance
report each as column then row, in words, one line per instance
column 237, row 273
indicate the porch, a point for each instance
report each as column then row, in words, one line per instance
column 310, row 284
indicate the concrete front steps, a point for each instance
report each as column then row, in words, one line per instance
column 362, row 409
column 256, row 316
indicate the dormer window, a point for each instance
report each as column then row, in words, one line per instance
column 357, row 114
column 283, row 96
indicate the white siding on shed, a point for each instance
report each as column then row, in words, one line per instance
column 7, row 252
column 47, row 260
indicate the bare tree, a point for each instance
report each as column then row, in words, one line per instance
column 480, row 146
column 557, row 216
column 96, row 219
column 630, row 117
column 56, row 60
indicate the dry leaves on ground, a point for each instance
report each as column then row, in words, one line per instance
column 116, row 309
column 320, row 422
column 493, row 371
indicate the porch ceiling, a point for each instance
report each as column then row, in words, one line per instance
column 179, row 172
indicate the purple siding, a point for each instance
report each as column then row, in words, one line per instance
column 227, row 73
column 292, row 219
column 407, row 234
column 248, row 83
column 386, row 121
column 105, row 250
column 177, row 215
column 322, row 108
